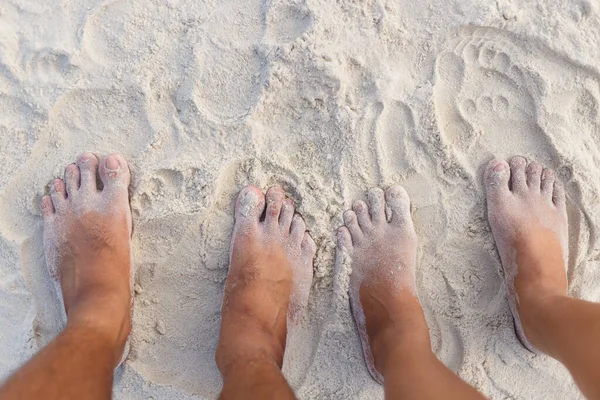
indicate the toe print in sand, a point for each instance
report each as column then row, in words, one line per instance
column 483, row 99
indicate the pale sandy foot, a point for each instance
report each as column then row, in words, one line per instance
column 271, row 270
column 382, row 251
column 527, row 213
column 87, row 244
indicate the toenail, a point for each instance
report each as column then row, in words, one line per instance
column 500, row 167
column 111, row 163
column 358, row 207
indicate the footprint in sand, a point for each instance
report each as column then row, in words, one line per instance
column 20, row 124
column 498, row 93
column 395, row 141
column 172, row 190
column 287, row 21
column 484, row 103
column 223, row 85
column 388, row 138
column 49, row 65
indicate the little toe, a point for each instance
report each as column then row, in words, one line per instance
column 496, row 177
column 249, row 206
column 298, row 229
column 344, row 239
column 47, row 207
column 518, row 177
column 376, row 198
column 275, row 198
column 351, row 222
column 115, row 174
column 88, row 169
column 548, row 179
column 399, row 202
column 286, row 215
column 559, row 197
column 72, row 179
column 362, row 213
column 58, row 193
column 534, row 176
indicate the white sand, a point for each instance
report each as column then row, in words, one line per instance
column 326, row 98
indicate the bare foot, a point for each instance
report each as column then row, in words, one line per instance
column 87, row 247
column 382, row 284
column 269, row 279
column 528, row 216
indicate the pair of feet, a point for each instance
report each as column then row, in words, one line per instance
column 86, row 241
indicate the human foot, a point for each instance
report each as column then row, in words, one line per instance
column 528, row 216
column 269, row 279
column 87, row 247
column 382, row 289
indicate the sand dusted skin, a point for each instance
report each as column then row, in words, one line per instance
column 266, row 291
column 526, row 207
column 87, row 246
column 383, row 255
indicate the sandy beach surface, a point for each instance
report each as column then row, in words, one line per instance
column 327, row 98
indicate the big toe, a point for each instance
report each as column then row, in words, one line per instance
column 496, row 178
column 115, row 175
column 249, row 207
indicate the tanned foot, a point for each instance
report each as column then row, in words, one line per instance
column 269, row 279
column 383, row 254
column 87, row 247
column 528, row 217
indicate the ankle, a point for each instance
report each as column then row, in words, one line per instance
column 404, row 332
column 105, row 318
column 254, row 346
column 394, row 346
column 236, row 362
column 106, row 341
column 537, row 311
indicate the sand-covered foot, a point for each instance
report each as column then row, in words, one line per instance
column 528, row 216
column 87, row 246
column 269, row 278
column 383, row 254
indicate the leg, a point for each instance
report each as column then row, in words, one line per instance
column 269, row 281
column 383, row 296
column 86, row 243
column 527, row 213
